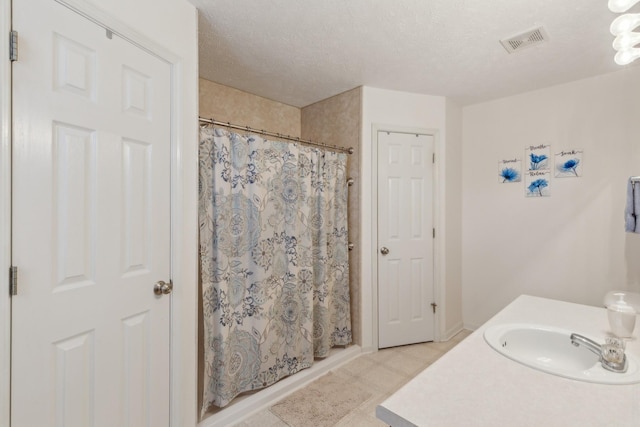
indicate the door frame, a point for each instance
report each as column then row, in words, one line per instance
column 184, row 297
column 438, row 223
column 5, row 213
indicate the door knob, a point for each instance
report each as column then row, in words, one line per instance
column 384, row 250
column 162, row 288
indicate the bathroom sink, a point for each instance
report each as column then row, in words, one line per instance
column 549, row 349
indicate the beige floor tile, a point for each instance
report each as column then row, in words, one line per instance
column 428, row 352
column 262, row 419
column 461, row 335
column 448, row 345
column 406, row 363
column 369, row 406
column 443, row 346
column 357, row 366
column 359, row 419
column 381, row 355
column 384, row 379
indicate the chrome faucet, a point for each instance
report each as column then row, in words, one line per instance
column 608, row 356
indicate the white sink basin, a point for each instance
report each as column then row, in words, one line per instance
column 549, row 349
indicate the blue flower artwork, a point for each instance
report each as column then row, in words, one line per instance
column 509, row 171
column 569, row 164
column 538, row 157
column 537, row 184
column 509, row 175
column 537, row 162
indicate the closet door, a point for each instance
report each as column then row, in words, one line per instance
column 91, row 225
column 405, row 238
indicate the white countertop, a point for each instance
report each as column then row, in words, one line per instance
column 474, row 385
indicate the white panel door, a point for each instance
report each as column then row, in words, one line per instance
column 91, row 225
column 405, row 239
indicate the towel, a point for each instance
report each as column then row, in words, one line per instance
column 635, row 189
column 631, row 224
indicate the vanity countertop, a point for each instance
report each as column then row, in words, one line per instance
column 474, row 385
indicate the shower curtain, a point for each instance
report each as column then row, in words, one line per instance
column 274, row 260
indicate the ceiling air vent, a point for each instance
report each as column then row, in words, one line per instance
column 524, row 40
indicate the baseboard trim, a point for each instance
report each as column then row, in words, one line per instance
column 248, row 405
column 451, row 332
column 471, row 327
column 369, row 349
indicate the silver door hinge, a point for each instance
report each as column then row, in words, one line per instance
column 13, row 280
column 433, row 158
column 13, row 46
column 434, row 305
column 434, row 233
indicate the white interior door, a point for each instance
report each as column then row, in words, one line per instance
column 91, row 225
column 405, row 238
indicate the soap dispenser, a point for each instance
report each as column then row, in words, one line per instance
column 622, row 317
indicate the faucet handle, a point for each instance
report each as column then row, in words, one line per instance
column 613, row 350
column 615, row 342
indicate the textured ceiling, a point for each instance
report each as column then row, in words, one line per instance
column 301, row 51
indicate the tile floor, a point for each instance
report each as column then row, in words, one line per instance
column 380, row 373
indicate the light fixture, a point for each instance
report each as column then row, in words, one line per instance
column 619, row 6
column 625, row 23
column 627, row 56
column 626, row 40
column 622, row 27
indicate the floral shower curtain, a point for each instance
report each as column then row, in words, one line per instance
column 274, row 260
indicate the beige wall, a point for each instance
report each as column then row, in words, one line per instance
column 572, row 245
column 336, row 121
column 226, row 104
column 453, row 221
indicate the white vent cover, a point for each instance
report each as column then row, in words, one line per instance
column 524, row 40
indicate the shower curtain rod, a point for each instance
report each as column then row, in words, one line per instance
column 277, row 135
